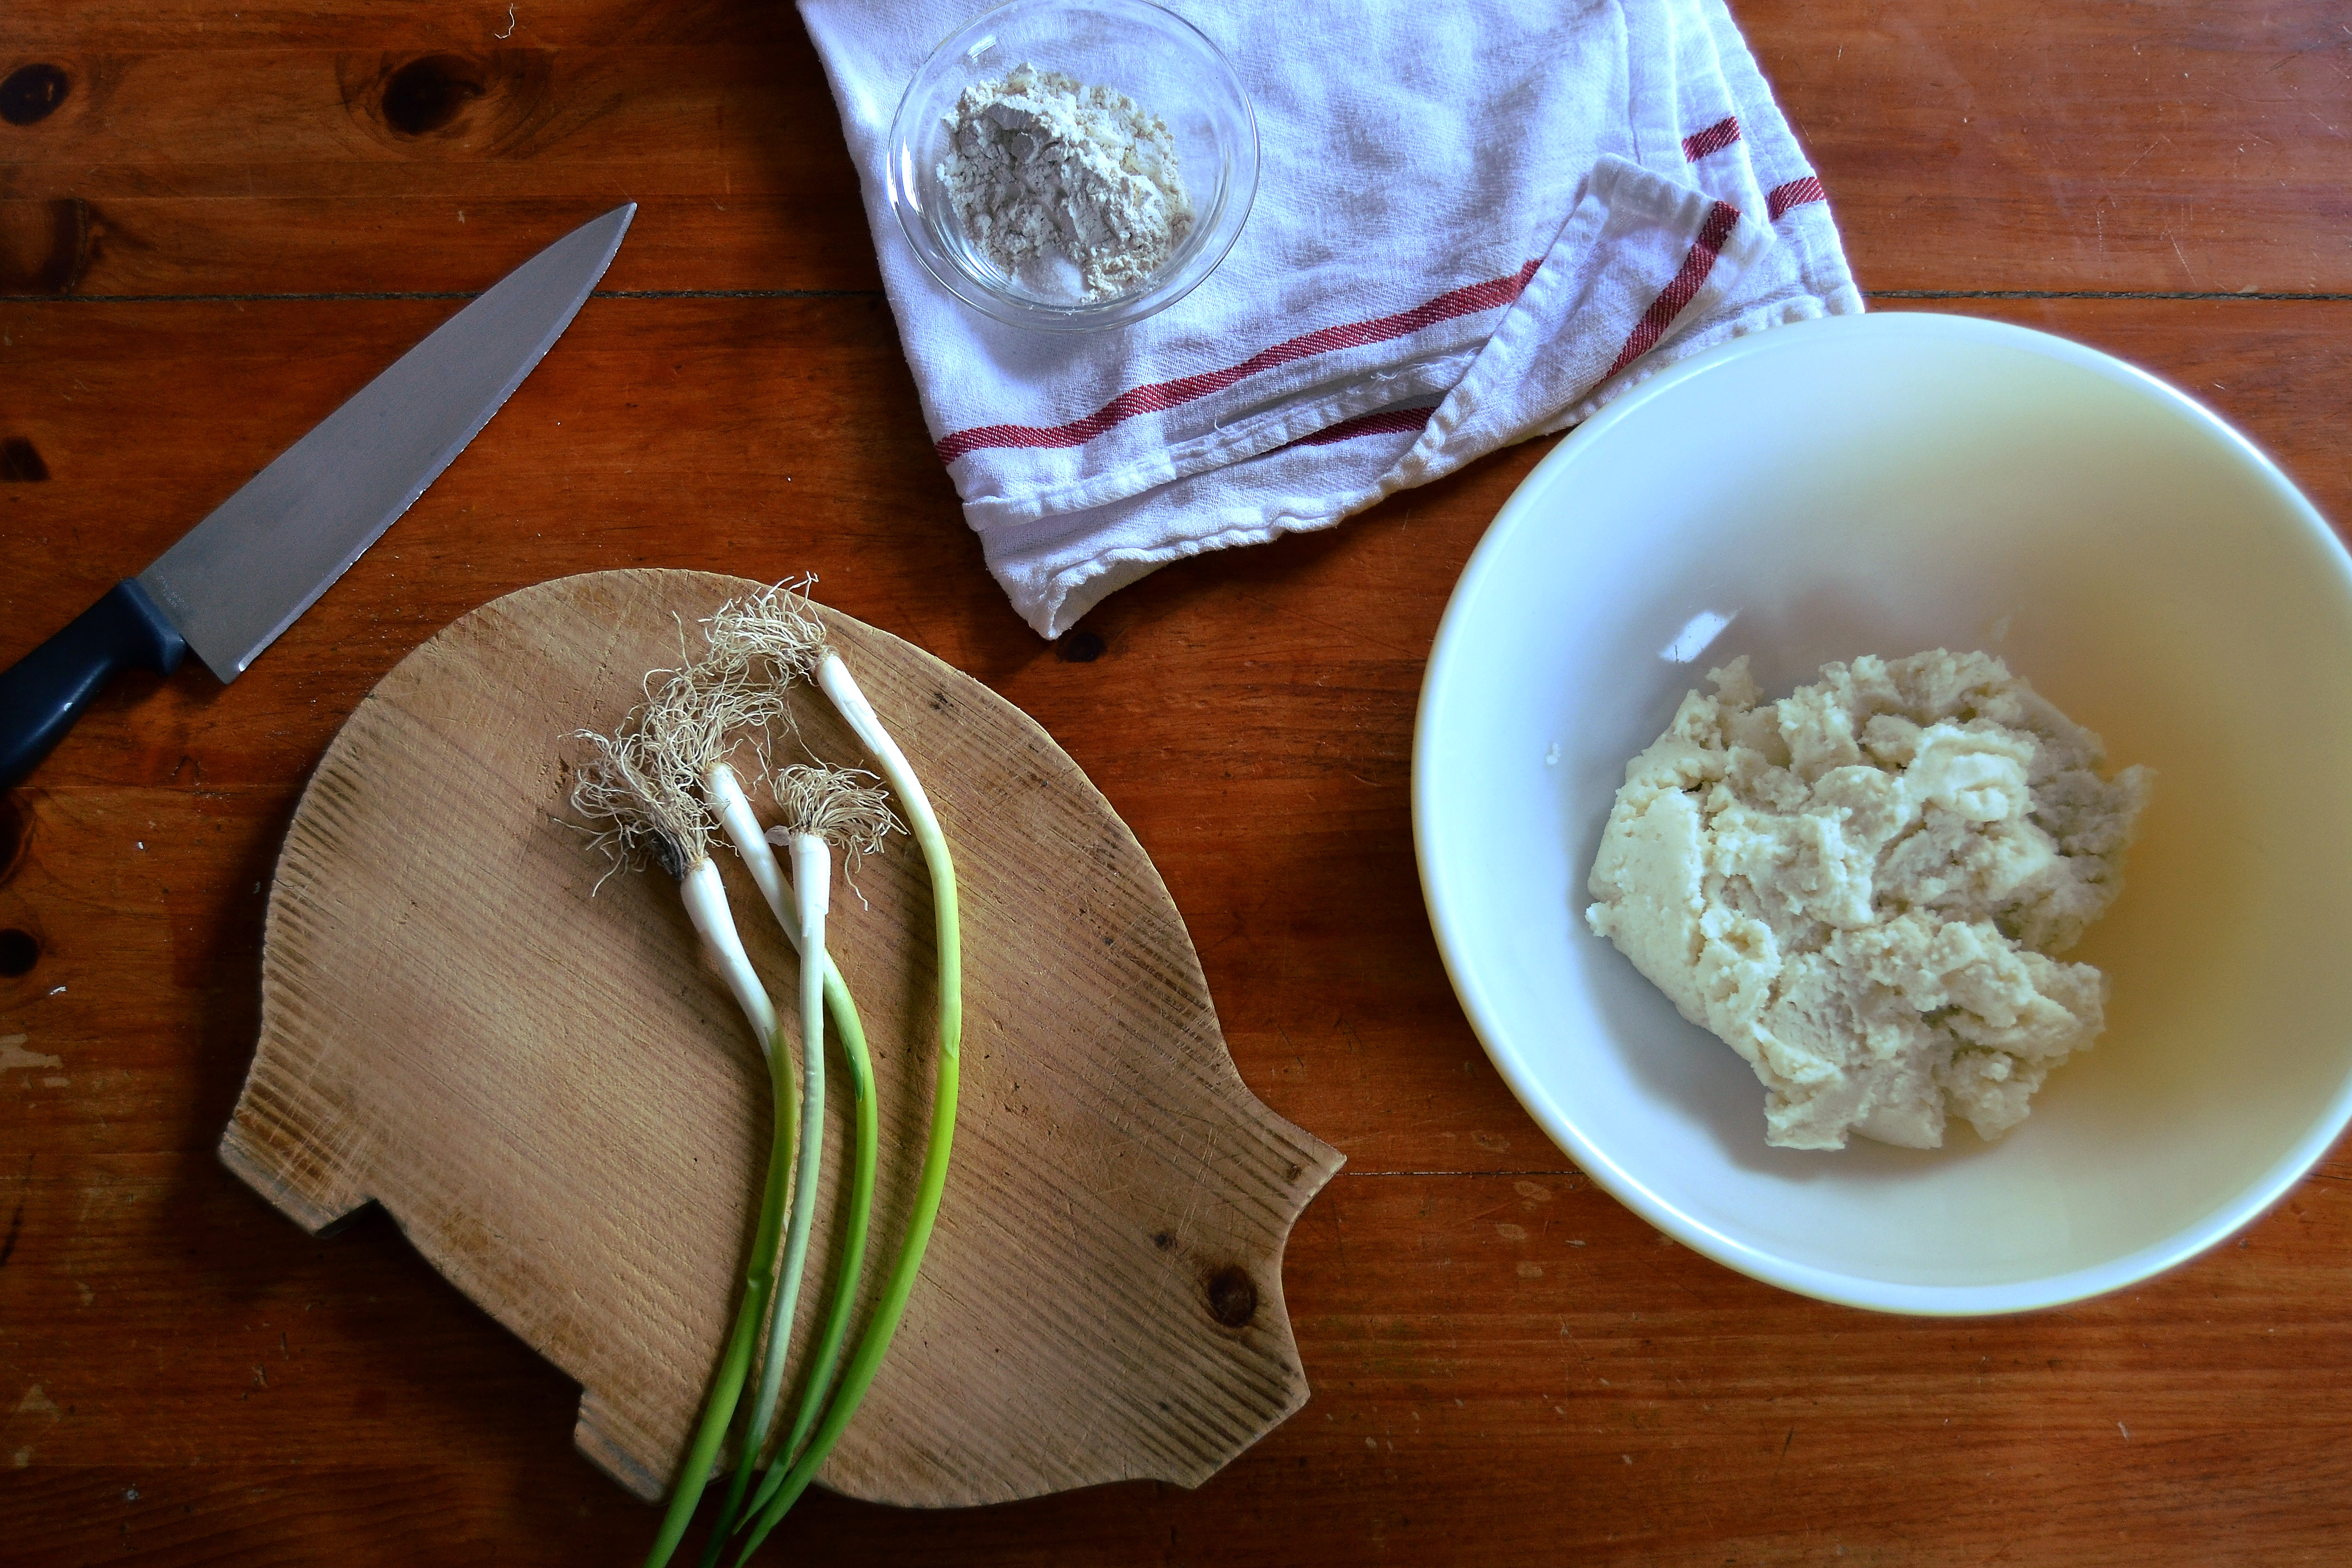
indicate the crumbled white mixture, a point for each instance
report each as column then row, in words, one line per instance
column 1858, row 888
column 1042, row 167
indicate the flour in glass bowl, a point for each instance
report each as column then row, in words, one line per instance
column 1070, row 188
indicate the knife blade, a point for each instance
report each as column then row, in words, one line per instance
column 245, row 573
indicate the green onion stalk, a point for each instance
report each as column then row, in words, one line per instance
column 636, row 784
column 743, row 831
column 755, row 1310
column 779, row 627
column 823, row 808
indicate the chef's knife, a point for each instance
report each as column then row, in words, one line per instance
column 241, row 576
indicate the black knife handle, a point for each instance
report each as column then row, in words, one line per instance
column 44, row 693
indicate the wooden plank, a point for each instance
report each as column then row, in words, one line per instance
column 116, row 25
column 516, row 123
column 167, row 247
column 412, row 163
column 1488, row 1390
column 2164, row 146
column 2161, row 145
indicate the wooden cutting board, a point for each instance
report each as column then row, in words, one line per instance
column 564, row 1113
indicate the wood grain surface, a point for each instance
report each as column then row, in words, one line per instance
column 469, row 1017
column 205, row 245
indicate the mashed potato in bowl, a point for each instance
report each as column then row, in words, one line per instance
column 1862, row 887
column 1881, row 484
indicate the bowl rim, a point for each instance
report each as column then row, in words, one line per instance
column 947, row 271
column 1442, row 898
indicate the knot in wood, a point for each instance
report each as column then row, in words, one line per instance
column 20, row 462
column 32, row 93
column 426, row 94
column 1232, row 1296
column 18, row 952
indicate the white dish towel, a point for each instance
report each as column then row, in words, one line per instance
column 1476, row 221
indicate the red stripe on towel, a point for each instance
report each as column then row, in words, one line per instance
column 1160, row 396
column 1795, row 194
column 1721, row 218
column 1714, row 139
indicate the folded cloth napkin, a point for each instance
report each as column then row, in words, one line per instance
column 1475, row 222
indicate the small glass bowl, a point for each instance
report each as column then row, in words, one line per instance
column 1153, row 56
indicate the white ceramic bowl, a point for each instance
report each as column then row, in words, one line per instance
column 1884, row 484
column 1150, row 54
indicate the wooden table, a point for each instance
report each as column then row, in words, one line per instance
column 216, row 223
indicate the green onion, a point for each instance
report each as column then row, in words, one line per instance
column 743, row 831
column 759, row 1274
column 641, row 785
column 779, row 627
column 822, row 806
column 645, row 783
